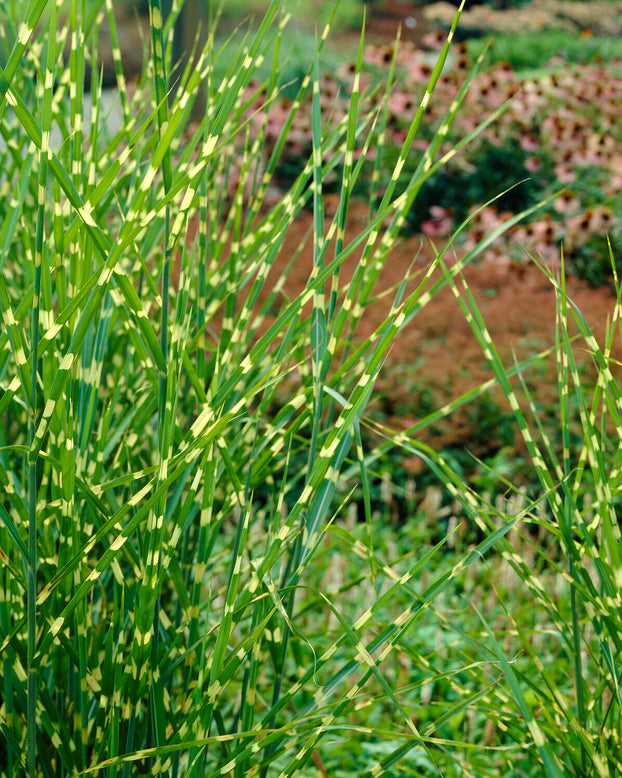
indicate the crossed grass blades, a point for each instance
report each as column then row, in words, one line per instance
column 162, row 514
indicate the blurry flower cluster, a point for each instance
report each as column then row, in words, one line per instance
column 599, row 16
column 559, row 137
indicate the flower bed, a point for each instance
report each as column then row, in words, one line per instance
column 558, row 139
column 599, row 16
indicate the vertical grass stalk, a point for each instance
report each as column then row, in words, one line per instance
column 32, row 690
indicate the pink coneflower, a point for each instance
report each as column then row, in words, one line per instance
column 565, row 174
column 487, row 219
column 496, row 254
column 419, row 72
column 297, row 141
column 370, row 155
column 463, row 61
column 397, row 137
column 615, row 171
column 601, row 142
column 347, row 72
column 549, row 85
column 550, row 255
column 467, row 123
column 473, row 237
column 578, row 230
column 522, row 236
column 532, row 94
column 601, row 219
column 447, row 81
column 566, row 202
column 540, row 239
column 608, row 123
column 406, row 51
column 504, row 71
column 329, row 87
column 435, row 40
column 379, row 55
column 401, row 104
column 529, row 142
column 546, row 230
column 575, row 130
column 540, row 233
column 512, row 89
column 440, row 222
column 533, row 164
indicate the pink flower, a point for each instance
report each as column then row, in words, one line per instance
column 564, row 173
column 578, row 230
column 504, row 71
column 533, row 164
column 402, row 104
column 566, row 202
column 435, row 40
column 419, row 72
column 379, row 55
column 440, row 223
column 529, row 142
column 398, row 137
column 601, row 219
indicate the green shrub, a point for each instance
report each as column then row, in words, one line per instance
column 491, row 169
column 531, row 53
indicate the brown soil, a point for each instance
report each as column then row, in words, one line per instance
column 437, row 354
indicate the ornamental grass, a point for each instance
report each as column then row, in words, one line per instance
column 184, row 589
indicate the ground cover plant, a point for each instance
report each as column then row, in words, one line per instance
column 183, row 441
column 528, row 51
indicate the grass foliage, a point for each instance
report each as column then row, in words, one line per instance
column 181, row 591
column 528, row 52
